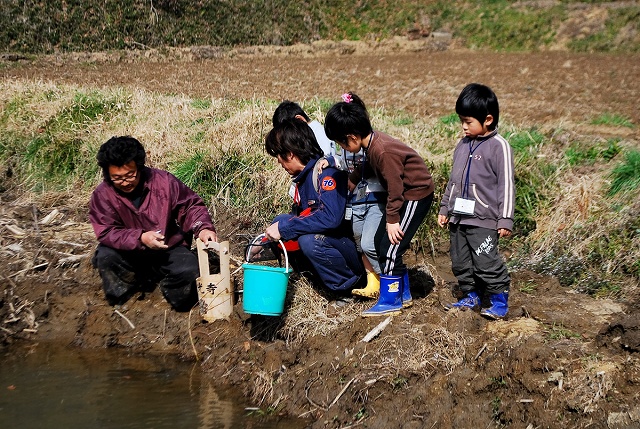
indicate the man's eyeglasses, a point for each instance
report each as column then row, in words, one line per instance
column 129, row 177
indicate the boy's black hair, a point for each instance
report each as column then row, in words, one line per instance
column 345, row 118
column 295, row 137
column 287, row 111
column 477, row 101
column 119, row 151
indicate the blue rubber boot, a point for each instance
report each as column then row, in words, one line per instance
column 499, row 307
column 390, row 301
column 407, row 299
column 470, row 302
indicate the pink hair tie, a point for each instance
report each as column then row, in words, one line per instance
column 346, row 97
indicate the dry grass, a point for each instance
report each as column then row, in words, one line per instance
column 311, row 314
column 410, row 348
column 174, row 128
column 585, row 388
column 573, row 225
column 423, row 350
column 262, row 387
column 578, row 201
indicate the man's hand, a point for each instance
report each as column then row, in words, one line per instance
column 208, row 235
column 273, row 233
column 395, row 233
column 153, row 240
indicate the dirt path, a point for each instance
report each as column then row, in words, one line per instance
column 559, row 360
column 534, row 88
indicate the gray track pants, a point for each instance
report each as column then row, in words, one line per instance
column 475, row 260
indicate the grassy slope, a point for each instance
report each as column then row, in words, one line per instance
column 43, row 27
column 49, row 135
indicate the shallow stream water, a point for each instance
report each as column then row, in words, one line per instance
column 51, row 386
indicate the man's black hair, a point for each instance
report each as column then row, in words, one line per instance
column 293, row 137
column 477, row 101
column 287, row 111
column 119, row 151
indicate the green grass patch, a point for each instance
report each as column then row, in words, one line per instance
column 527, row 142
column 497, row 24
column 451, row 120
column 52, row 157
column 500, row 25
column 57, row 155
column 599, row 287
column 46, row 163
column 498, row 382
column 620, row 33
column 559, row 332
column 448, row 126
column 580, row 153
column 612, row 119
column 403, row 120
column 237, row 179
column 324, row 104
column 625, row 177
column 534, row 178
column 16, row 112
column 85, row 109
column 200, row 104
column 528, row 288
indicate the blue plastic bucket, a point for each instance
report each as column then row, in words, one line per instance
column 265, row 288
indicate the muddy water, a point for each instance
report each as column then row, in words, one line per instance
column 48, row 386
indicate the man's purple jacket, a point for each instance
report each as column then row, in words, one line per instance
column 168, row 206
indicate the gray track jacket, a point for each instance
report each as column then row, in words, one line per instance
column 482, row 171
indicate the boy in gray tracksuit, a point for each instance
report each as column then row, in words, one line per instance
column 478, row 203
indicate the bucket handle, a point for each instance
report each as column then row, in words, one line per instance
column 286, row 256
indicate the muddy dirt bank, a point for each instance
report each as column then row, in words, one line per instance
column 559, row 358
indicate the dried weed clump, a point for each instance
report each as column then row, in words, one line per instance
column 263, row 387
column 422, row 350
column 572, row 242
column 309, row 313
column 584, row 390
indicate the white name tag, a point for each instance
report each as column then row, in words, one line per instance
column 348, row 213
column 464, row 206
column 292, row 191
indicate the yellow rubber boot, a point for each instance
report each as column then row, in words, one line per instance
column 372, row 290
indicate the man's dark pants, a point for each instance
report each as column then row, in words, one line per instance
column 124, row 273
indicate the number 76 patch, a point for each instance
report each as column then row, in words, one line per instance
column 328, row 184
